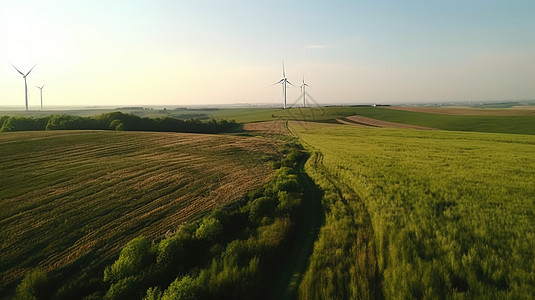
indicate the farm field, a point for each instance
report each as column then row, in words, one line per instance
column 269, row 127
column 413, row 214
column 518, row 121
column 241, row 115
column 513, row 111
column 360, row 120
column 481, row 123
column 77, row 197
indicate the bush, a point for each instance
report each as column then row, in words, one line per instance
column 272, row 236
column 130, row 260
column 122, row 289
column 32, row 286
column 209, row 230
column 261, row 207
column 153, row 293
column 185, row 288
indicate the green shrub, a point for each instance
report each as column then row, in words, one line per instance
column 261, row 207
column 122, row 289
column 272, row 236
column 153, row 293
column 184, row 289
column 170, row 249
column 32, row 286
column 130, row 260
column 209, row 229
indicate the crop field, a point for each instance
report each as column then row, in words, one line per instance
column 524, row 124
column 514, row 111
column 73, row 197
column 438, row 214
column 241, row 115
column 360, row 120
column 518, row 121
column 270, row 127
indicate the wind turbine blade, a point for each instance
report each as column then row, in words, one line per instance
column 283, row 73
column 280, row 81
column 290, row 83
column 17, row 69
column 30, row 70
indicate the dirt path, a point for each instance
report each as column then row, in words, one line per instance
column 360, row 121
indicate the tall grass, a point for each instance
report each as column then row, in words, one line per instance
column 452, row 212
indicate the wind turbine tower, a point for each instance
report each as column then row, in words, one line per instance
column 41, row 90
column 25, row 84
column 284, row 81
column 303, row 91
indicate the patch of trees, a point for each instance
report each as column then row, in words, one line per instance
column 231, row 253
column 115, row 121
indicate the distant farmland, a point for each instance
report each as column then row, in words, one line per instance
column 522, row 124
column 70, row 197
column 516, row 111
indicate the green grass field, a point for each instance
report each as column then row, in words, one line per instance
column 452, row 213
column 73, row 199
column 497, row 124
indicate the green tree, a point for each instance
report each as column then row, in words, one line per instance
column 32, row 286
column 209, row 230
column 186, row 288
column 153, row 293
column 130, row 260
column 122, row 289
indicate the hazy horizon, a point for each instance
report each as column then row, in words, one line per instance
column 161, row 53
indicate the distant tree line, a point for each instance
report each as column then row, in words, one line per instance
column 115, row 121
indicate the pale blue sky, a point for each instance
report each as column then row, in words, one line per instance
column 220, row 52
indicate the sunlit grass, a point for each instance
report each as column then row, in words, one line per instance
column 452, row 212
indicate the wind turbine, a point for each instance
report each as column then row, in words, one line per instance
column 41, row 88
column 303, row 91
column 25, row 85
column 284, row 81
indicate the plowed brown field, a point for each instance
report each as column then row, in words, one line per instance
column 277, row 127
column 360, row 120
column 66, row 196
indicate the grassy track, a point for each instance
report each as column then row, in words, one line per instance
column 343, row 264
column 74, row 196
column 452, row 212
